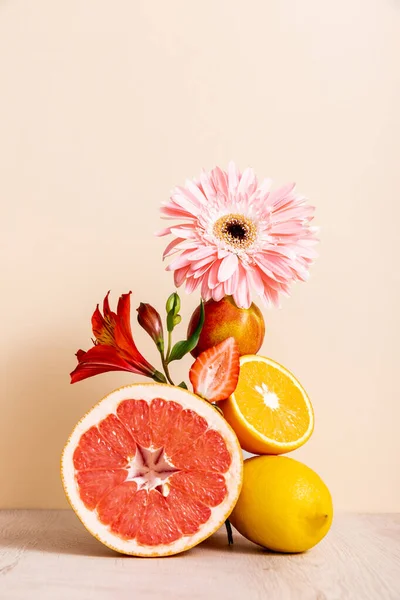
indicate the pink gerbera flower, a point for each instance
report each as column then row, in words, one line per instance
column 236, row 235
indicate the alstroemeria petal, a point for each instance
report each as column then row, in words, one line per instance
column 102, row 328
column 108, row 314
column 124, row 312
column 99, row 359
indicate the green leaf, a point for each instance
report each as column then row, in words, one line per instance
column 183, row 385
column 183, row 347
column 157, row 376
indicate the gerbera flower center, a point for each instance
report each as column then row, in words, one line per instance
column 235, row 230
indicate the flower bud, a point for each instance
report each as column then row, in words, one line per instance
column 173, row 306
column 150, row 320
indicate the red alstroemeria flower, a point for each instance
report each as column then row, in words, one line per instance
column 114, row 348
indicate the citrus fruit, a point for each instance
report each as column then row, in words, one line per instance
column 223, row 319
column 269, row 410
column 214, row 374
column 152, row 470
column 284, row 505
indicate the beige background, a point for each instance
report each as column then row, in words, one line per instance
column 104, row 106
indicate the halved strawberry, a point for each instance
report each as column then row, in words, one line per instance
column 215, row 372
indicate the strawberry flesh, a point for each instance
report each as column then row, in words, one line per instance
column 214, row 374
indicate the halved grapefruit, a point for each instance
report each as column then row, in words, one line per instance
column 152, row 470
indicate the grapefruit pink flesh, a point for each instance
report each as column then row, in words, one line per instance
column 152, row 472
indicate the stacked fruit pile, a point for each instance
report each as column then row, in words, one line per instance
column 283, row 505
column 154, row 469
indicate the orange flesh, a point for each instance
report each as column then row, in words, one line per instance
column 152, row 472
column 290, row 420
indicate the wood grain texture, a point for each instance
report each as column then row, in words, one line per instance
column 49, row 555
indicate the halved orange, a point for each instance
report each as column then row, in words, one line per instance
column 269, row 410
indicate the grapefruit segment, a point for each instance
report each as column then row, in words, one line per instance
column 93, row 485
column 187, row 428
column 130, row 518
column 112, row 504
column 93, row 452
column 152, row 470
column 208, row 452
column 134, row 414
column 188, row 512
column 209, row 488
column 158, row 525
column 163, row 417
column 117, row 436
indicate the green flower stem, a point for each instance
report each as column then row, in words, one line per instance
column 164, row 359
column 166, row 370
column 169, row 345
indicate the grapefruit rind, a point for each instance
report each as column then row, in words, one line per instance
column 188, row 400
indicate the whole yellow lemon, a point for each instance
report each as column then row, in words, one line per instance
column 284, row 505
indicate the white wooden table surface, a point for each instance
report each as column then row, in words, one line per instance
column 50, row 555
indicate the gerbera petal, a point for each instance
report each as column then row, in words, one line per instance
column 213, row 274
column 248, row 182
column 220, row 180
column 278, row 265
column 233, row 178
column 278, row 196
column 178, row 263
column 293, row 212
column 262, row 262
column 174, row 212
column 218, row 292
column 265, row 186
column 206, row 291
column 231, row 283
column 242, row 293
column 199, row 264
column 273, row 297
column 305, row 251
column 170, row 249
column 287, row 228
column 184, row 232
column 180, row 275
column 202, row 252
column 186, row 200
column 191, row 284
column 163, row 232
column 254, row 278
column 227, row 267
column 207, row 185
column 196, row 192
column 199, row 271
